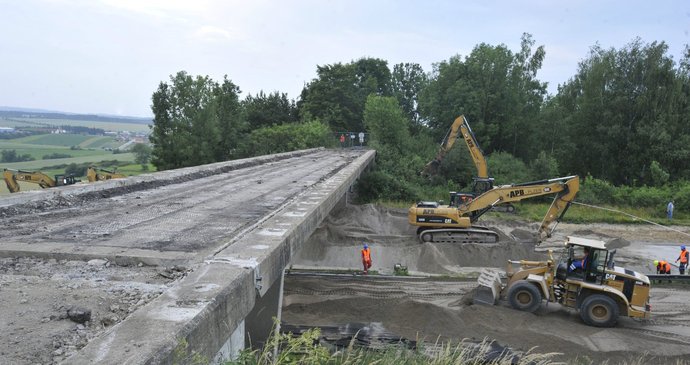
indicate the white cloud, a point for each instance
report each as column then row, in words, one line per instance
column 209, row 33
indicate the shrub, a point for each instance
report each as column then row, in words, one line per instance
column 55, row 155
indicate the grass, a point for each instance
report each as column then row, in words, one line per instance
column 609, row 214
column 306, row 349
column 108, row 126
column 94, row 157
column 54, row 139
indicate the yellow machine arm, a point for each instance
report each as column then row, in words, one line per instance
column 459, row 127
column 565, row 188
column 12, row 176
column 438, row 223
column 11, row 182
column 96, row 174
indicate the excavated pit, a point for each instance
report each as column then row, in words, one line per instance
column 444, row 310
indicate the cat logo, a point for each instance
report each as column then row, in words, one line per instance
column 428, row 211
column 518, row 192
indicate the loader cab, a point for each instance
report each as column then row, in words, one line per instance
column 584, row 260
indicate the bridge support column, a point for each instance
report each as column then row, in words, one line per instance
column 260, row 321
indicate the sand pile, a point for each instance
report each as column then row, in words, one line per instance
column 336, row 243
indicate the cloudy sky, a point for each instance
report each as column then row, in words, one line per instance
column 108, row 56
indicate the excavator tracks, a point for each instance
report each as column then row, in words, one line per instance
column 478, row 235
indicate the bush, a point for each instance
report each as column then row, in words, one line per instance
column 287, row 137
column 12, row 156
column 55, row 155
column 595, row 191
column 76, row 170
column 378, row 185
column 507, row 169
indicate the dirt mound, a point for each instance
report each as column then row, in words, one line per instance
column 336, row 243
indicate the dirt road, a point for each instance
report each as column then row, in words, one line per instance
column 664, row 338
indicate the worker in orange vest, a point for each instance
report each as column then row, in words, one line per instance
column 683, row 258
column 662, row 267
column 366, row 258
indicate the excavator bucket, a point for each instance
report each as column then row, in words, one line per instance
column 489, row 288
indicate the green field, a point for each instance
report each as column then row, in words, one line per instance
column 54, row 139
column 108, row 126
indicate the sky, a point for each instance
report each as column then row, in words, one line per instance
column 108, row 56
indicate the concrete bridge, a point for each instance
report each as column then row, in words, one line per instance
column 224, row 233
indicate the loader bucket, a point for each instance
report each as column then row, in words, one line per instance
column 489, row 288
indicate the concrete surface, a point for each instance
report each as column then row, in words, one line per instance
column 220, row 234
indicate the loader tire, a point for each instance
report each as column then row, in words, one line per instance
column 524, row 296
column 599, row 311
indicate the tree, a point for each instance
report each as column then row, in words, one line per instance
column 625, row 108
column 397, row 159
column 407, row 81
column 196, row 121
column 231, row 125
column 495, row 89
column 338, row 94
column 142, row 154
column 266, row 110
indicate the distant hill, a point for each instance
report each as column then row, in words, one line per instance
column 13, row 112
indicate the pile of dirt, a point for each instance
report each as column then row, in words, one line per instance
column 336, row 243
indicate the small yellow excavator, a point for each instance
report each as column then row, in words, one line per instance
column 482, row 182
column 455, row 223
column 36, row 177
column 97, row 174
column 584, row 278
column 461, row 127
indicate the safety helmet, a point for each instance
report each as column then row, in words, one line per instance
column 656, row 262
column 366, row 246
column 682, row 247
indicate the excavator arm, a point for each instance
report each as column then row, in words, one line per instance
column 460, row 127
column 94, row 174
column 565, row 188
column 10, row 181
column 446, row 223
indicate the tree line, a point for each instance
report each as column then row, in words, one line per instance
column 622, row 118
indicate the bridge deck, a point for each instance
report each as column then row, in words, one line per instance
column 221, row 225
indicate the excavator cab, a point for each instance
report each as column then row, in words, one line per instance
column 457, row 199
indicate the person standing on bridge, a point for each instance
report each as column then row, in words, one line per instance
column 366, row 258
column 683, row 258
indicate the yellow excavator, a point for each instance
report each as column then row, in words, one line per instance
column 482, row 182
column 36, row 177
column 97, row 174
column 455, row 223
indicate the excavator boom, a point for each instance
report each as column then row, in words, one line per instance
column 455, row 223
column 94, row 174
column 460, row 127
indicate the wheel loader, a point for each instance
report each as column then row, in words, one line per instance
column 584, row 278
